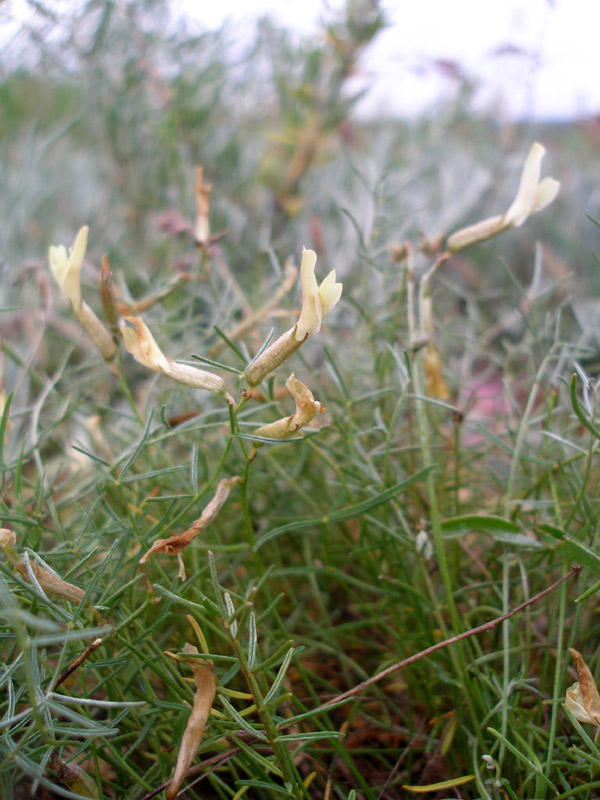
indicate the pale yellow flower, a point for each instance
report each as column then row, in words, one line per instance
column 66, row 267
column 317, row 301
column 533, row 195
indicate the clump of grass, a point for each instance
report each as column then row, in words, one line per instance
column 380, row 594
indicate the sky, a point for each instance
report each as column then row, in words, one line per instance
column 530, row 59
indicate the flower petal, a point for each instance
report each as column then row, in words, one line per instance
column 574, row 702
column 522, row 205
column 329, row 293
column 590, row 697
column 140, row 343
column 545, row 194
column 310, row 318
column 67, row 268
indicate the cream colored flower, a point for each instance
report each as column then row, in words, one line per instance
column 140, row 343
column 8, row 538
column 142, row 346
column 583, row 700
column 306, row 409
column 66, row 268
column 533, row 195
column 317, row 301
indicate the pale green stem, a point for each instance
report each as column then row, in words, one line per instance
column 458, row 655
column 512, row 477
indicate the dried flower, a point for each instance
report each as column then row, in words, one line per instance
column 583, row 700
column 533, row 195
column 436, row 385
column 140, row 343
column 175, row 544
column 50, row 583
column 8, row 538
column 317, row 302
column 202, row 222
column 204, row 679
column 306, row 409
column 74, row 778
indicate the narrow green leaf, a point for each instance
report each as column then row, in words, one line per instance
column 579, row 412
column 310, row 736
column 229, row 343
column 475, row 522
column 217, row 364
column 274, row 690
column 244, row 724
column 350, row 512
column 137, row 448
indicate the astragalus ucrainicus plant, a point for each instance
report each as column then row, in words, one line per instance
column 299, row 447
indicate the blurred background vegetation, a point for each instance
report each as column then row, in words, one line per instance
column 106, row 109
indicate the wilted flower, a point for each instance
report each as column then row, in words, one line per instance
column 533, row 195
column 317, row 302
column 140, row 343
column 74, row 778
column 424, row 545
column 66, row 268
column 46, row 580
column 204, row 680
column 306, row 409
column 202, row 222
column 8, row 539
column 583, row 700
column 176, row 544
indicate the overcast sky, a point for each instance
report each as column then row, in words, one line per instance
column 540, row 58
column 531, row 59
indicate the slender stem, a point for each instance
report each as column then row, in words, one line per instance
column 460, row 665
column 486, row 626
column 125, row 387
column 523, row 422
column 558, row 677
